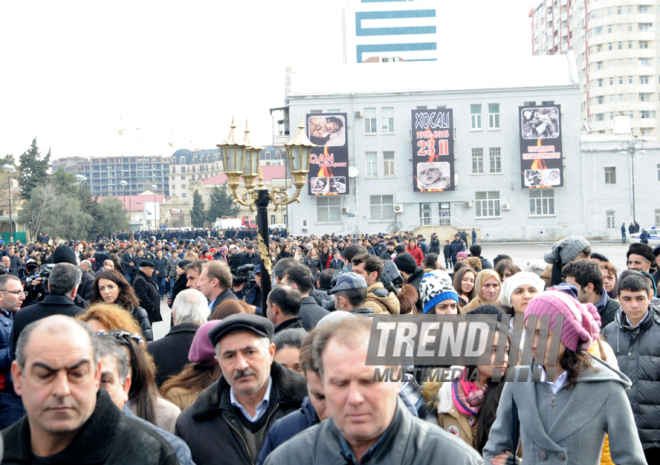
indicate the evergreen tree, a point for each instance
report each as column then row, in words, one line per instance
column 222, row 204
column 34, row 169
column 197, row 215
column 67, row 183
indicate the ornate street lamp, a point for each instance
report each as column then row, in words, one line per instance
column 241, row 159
column 10, row 169
column 153, row 188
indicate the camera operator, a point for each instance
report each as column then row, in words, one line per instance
column 249, row 257
column 379, row 299
column 253, row 296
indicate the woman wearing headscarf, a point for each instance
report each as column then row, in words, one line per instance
column 488, row 287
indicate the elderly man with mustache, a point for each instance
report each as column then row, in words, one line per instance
column 231, row 418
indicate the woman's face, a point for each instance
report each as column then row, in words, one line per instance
column 521, row 298
column 313, row 252
column 461, row 259
column 486, row 371
column 608, row 279
column 109, row 290
column 506, row 274
column 446, row 307
column 289, row 357
column 490, row 289
column 562, row 347
column 326, row 249
column 467, row 283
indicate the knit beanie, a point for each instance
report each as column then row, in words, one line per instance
column 581, row 321
column 201, row 349
column 64, row 254
column 400, row 249
column 462, row 255
column 405, row 262
column 435, row 288
column 519, row 279
column 566, row 249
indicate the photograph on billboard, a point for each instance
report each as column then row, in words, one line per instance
column 328, row 163
column 433, row 150
column 540, row 147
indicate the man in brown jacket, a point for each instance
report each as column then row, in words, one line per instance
column 379, row 299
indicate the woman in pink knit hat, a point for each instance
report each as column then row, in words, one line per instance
column 562, row 414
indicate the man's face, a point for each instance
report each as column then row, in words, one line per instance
column 12, row 297
column 58, row 387
column 192, row 276
column 638, row 262
column 159, row 254
column 635, row 304
column 317, row 395
column 245, row 361
column 583, row 294
column 390, row 247
column 111, row 382
column 429, row 175
column 257, row 279
column 371, row 278
column 109, row 265
column 10, row 251
column 149, row 271
column 361, row 408
column 205, row 285
column 6, row 261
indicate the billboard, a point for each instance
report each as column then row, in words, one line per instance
column 433, row 150
column 541, row 162
column 328, row 163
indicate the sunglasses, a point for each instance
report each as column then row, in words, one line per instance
column 122, row 336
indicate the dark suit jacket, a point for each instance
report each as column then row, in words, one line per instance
column 311, row 313
column 171, row 352
column 227, row 294
column 86, row 284
column 147, row 292
column 51, row 305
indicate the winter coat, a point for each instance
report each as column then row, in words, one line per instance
column 314, row 265
column 311, row 313
column 227, row 294
column 438, row 397
column 6, row 323
column 414, row 280
column 336, row 264
column 435, row 245
column 179, row 285
column 608, row 311
column 126, row 261
column 287, row 427
column 456, row 246
column 216, row 431
column 408, row 440
column 387, row 255
column 86, row 284
column 381, row 300
column 417, row 254
column 568, row 427
column 638, row 354
column 170, row 353
column 324, row 259
column 140, row 315
column 170, row 268
column 107, row 438
column 147, row 292
column 424, row 246
column 160, row 265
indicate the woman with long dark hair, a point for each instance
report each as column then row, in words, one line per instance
column 325, row 257
column 181, row 281
column 464, row 286
column 576, row 401
column 313, row 262
column 111, row 287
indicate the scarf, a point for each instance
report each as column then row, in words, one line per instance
column 474, row 396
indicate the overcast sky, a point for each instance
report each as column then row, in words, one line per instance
column 178, row 71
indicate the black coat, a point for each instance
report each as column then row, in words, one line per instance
column 180, row 284
column 171, row 352
column 141, row 316
column 214, row 430
column 227, row 294
column 107, row 438
column 51, row 305
column 126, row 261
column 291, row 323
column 99, row 258
column 147, row 292
column 415, row 279
column 311, row 313
column 435, row 245
column 86, row 284
column 387, row 255
column 247, row 259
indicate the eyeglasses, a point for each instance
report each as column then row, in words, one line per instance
column 12, row 292
column 122, row 336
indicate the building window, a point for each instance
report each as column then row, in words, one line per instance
column 372, row 164
column 388, row 119
column 631, row 97
column 620, row 63
column 316, row 112
column 643, row 79
column 475, row 113
column 183, row 169
column 620, row 79
column 657, row 218
column 183, row 177
column 600, row 100
column 425, row 214
column 643, row 44
column 388, row 163
column 645, row 27
column 272, row 219
column 541, row 202
column 630, row 44
column 642, row 9
column 630, row 78
column 183, row 196
column 600, row 83
column 609, row 46
column 183, row 186
column 173, row 169
column 328, row 209
column 370, row 121
column 382, row 207
column 610, row 219
column 494, row 115
column 644, row 97
column 477, row 161
column 600, row 117
column 646, row 114
column 495, row 160
column 487, row 204
column 610, row 175
column 618, row 10
column 620, row 45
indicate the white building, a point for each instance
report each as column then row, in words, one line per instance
column 390, row 31
column 617, row 50
column 489, row 193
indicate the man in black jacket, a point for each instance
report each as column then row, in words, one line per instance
column 388, row 252
column 128, row 264
column 446, row 251
column 87, row 280
column 299, row 277
column 170, row 353
column 147, row 291
column 586, row 276
column 283, row 308
column 412, row 273
column 249, row 257
column 240, row 407
column 456, row 246
column 100, row 256
column 62, row 287
column 215, row 283
column 57, row 365
column 475, row 251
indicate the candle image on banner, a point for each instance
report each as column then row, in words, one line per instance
column 541, row 147
column 328, row 163
column 433, row 150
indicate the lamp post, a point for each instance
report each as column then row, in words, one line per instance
column 10, row 169
column 153, row 188
column 241, row 159
column 123, row 185
column 631, row 147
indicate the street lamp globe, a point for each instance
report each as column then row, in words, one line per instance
column 297, row 151
column 233, row 153
column 251, row 160
column 123, row 183
column 9, row 168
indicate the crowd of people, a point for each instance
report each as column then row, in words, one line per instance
column 82, row 379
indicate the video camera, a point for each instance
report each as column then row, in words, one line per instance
column 391, row 277
column 36, row 293
column 244, row 275
column 347, row 269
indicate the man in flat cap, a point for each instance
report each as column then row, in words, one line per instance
column 147, row 291
column 229, row 421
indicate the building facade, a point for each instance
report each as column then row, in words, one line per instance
column 104, row 174
column 390, row 31
column 490, row 193
column 617, row 50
